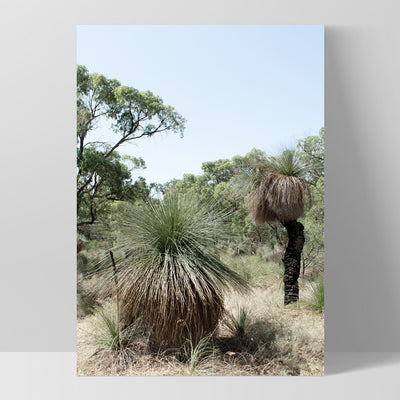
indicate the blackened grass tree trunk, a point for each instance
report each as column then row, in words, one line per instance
column 292, row 260
column 280, row 196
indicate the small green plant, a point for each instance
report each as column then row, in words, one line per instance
column 316, row 298
column 199, row 352
column 112, row 336
column 238, row 323
column 247, row 274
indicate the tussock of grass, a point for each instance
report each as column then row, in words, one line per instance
column 315, row 295
column 199, row 353
column 113, row 335
column 107, row 343
column 238, row 323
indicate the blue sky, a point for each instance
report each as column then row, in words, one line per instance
column 239, row 87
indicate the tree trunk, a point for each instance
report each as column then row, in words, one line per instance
column 292, row 259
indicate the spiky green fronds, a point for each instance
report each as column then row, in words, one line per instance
column 112, row 335
column 288, row 164
column 169, row 274
column 199, row 352
column 239, row 322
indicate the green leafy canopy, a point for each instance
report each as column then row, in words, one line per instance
column 102, row 174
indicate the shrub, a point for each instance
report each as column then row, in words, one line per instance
column 316, row 296
column 199, row 352
column 86, row 299
column 238, row 324
column 112, row 336
column 169, row 273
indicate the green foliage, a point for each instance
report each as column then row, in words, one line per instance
column 313, row 251
column 312, row 152
column 199, row 352
column 253, row 268
column 102, row 174
column 220, row 183
column 112, row 335
column 238, row 323
column 86, row 300
column 289, row 163
column 100, row 180
column 316, row 297
column 229, row 183
column 83, row 263
column 109, row 337
column 143, row 114
column 168, row 270
column 218, row 171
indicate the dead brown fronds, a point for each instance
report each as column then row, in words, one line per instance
column 278, row 198
column 280, row 193
column 171, row 319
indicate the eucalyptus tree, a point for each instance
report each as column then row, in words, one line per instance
column 102, row 174
column 312, row 153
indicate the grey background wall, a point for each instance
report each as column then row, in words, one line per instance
column 38, row 156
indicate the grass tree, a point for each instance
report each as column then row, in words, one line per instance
column 169, row 275
column 280, row 196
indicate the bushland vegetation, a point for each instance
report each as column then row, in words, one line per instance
column 205, row 274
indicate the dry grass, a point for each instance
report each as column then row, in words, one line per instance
column 276, row 340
